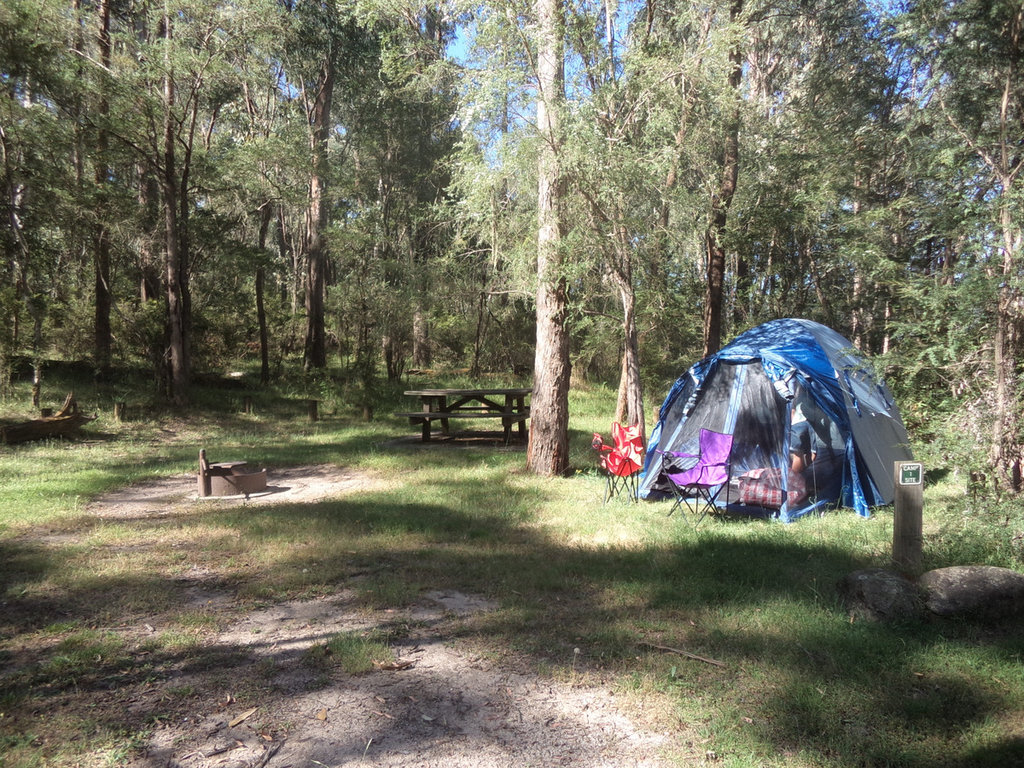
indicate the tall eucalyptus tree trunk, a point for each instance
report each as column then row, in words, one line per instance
column 316, row 215
column 629, row 407
column 1007, row 165
column 721, row 201
column 548, row 450
column 266, row 215
column 177, row 319
column 103, row 299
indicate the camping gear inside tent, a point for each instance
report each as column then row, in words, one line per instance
column 812, row 426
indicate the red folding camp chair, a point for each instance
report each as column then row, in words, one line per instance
column 701, row 476
column 622, row 461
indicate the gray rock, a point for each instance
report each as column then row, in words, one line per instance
column 974, row 591
column 876, row 594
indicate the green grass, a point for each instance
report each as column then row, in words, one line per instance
column 356, row 653
column 579, row 586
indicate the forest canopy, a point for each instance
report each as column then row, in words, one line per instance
column 351, row 189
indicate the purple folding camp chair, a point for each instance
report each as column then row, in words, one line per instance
column 703, row 475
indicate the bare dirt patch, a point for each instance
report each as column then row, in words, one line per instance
column 445, row 702
column 441, row 705
column 290, row 484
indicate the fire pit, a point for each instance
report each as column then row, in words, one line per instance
column 229, row 478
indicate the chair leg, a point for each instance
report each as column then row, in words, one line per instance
column 616, row 484
column 703, row 501
column 708, row 499
column 678, row 502
column 634, row 488
column 612, row 487
column 704, row 508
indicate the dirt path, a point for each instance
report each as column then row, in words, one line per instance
column 171, row 495
column 443, row 704
column 448, row 707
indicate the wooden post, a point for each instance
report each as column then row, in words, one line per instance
column 247, row 404
column 204, row 474
column 907, row 538
column 119, row 411
column 311, row 407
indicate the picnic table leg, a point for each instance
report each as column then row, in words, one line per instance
column 521, row 408
column 426, row 404
column 442, row 407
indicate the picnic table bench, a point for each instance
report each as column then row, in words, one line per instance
column 507, row 404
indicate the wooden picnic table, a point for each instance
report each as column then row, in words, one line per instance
column 505, row 403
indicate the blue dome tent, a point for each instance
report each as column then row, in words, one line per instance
column 786, row 388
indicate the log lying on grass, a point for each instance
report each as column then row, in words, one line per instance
column 63, row 422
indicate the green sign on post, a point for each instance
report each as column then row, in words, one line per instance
column 910, row 474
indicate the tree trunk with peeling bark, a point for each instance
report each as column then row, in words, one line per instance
column 548, row 450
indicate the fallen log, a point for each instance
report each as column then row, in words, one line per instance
column 63, row 422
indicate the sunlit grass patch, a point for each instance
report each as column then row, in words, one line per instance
column 84, row 652
column 174, row 640
column 385, row 590
column 356, row 653
column 97, row 745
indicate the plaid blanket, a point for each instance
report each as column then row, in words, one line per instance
column 763, row 488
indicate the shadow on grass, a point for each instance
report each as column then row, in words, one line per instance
column 797, row 677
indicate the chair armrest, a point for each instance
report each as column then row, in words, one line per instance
column 679, row 462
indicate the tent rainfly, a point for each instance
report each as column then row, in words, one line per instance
column 812, row 426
